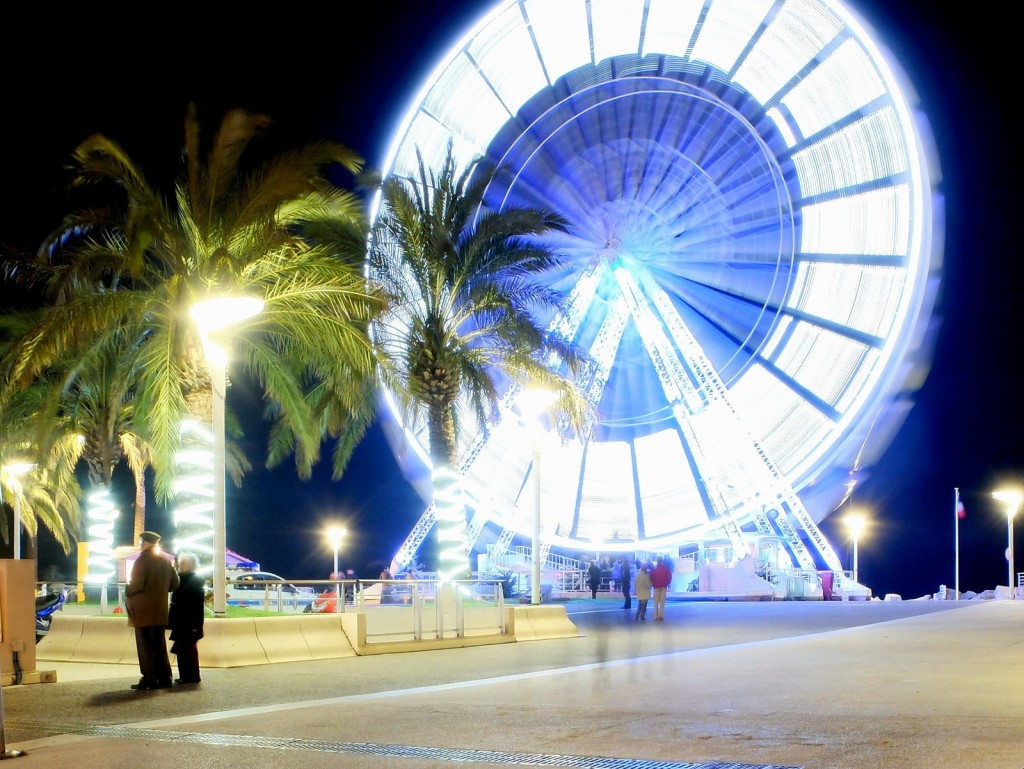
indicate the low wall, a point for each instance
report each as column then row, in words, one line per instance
column 538, row 623
column 240, row 642
column 737, row 580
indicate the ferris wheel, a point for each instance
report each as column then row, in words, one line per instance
column 752, row 215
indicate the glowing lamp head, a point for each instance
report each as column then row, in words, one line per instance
column 334, row 535
column 534, row 402
column 223, row 312
column 1011, row 499
column 855, row 522
column 18, row 469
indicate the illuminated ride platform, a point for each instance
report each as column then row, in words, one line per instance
column 752, row 264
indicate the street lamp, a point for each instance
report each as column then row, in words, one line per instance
column 211, row 316
column 334, row 535
column 1012, row 499
column 532, row 404
column 16, row 471
column 855, row 523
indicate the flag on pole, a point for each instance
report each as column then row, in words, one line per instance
column 960, row 513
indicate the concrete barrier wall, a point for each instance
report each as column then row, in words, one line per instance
column 229, row 643
column 239, row 642
column 282, row 639
column 541, row 622
column 59, row 644
column 105, row 639
column 325, row 636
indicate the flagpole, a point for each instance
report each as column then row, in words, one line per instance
column 956, row 520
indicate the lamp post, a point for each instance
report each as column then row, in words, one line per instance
column 17, row 470
column 532, row 404
column 211, row 316
column 1012, row 499
column 334, row 535
column 855, row 523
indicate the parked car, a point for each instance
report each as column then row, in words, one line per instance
column 266, row 590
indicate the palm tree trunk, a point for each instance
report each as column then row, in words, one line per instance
column 449, row 508
column 194, row 501
column 140, row 504
column 101, row 514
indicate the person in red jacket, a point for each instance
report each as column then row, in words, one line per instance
column 147, row 599
column 661, row 578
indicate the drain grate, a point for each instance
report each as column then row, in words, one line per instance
column 412, row 751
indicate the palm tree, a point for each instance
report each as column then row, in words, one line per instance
column 94, row 399
column 239, row 220
column 466, row 287
column 37, row 481
column 82, row 412
column 41, row 495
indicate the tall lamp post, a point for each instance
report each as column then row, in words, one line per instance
column 855, row 523
column 532, row 404
column 17, row 471
column 1012, row 500
column 212, row 316
column 334, row 536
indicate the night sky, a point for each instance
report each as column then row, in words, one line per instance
column 331, row 74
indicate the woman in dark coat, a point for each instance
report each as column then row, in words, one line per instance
column 186, row 619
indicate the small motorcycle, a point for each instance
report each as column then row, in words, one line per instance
column 46, row 605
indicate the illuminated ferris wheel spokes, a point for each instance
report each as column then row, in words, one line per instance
column 760, row 166
column 736, row 471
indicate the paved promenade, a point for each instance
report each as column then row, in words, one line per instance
column 819, row 685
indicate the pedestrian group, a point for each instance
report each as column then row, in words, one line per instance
column 154, row 578
column 647, row 580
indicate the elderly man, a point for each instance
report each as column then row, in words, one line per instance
column 152, row 580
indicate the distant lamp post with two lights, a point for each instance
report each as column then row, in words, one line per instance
column 213, row 317
column 855, row 522
column 1012, row 500
column 532, row 404
column 335, row 534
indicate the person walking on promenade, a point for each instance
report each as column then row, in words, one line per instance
column 625, row 574
column 661, row 578
column 186, row 617
column 387, row 590
column 643, row 592
column 352, row 588
column 152, row 580
column 594, row 577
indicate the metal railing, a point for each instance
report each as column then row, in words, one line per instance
column 429, row 609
